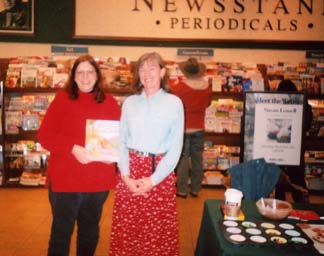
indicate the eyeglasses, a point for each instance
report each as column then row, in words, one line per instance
column 85, row 72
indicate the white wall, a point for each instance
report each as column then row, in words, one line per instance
column 8, row 50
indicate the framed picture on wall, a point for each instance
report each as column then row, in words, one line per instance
column 17, row 16
column 273, row 127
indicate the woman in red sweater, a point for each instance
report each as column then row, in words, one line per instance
column 78, row 184
column 195, row 92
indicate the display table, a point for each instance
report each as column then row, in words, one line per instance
column 211, row 240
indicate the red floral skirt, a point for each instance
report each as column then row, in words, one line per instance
column 145, row 226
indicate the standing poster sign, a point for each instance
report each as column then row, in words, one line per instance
column 273, row 127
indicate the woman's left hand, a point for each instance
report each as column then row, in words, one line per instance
column 144, row 186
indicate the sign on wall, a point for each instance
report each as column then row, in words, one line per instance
column 68, row 50
column 273, row 127
column 201, row 20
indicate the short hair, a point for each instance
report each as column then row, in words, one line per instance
column 287, row 85
column 151, row 56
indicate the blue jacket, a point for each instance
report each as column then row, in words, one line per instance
column 254, row 178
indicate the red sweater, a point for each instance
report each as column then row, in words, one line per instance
column 195, row 103
column 64, row 126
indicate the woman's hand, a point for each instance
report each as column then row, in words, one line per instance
column 132, row 184
column 139, row 187
column 145, row 186
column 81, row 154
column 85, row 157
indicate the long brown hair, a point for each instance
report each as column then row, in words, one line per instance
column 71, row 86
column 151, row 56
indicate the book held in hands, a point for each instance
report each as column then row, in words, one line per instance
column 102, row 138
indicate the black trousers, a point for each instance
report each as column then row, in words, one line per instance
column 69, row 208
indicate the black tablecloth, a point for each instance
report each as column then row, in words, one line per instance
column 211, row 240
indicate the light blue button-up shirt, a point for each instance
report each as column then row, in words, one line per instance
column 153, row 125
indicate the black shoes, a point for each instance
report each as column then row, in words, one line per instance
column 194, row 194
column 182, row 195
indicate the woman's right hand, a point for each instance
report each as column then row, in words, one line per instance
column 132, row 184
column 81, row 154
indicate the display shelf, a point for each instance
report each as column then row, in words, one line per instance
column 314, row 143
column 222, row 136
column 239, row 96
column 19, row 90
column 2, row 70
column 122, row 88
column 21, row 144
column 315, row 96
column 119, row 91
column 23, row 161
column 229, row 139
column 217, row 158
column 227, row 95
column 15, row 171
column 28, row 135
column 315, row 183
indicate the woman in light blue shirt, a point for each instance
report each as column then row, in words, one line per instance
column 151, row 137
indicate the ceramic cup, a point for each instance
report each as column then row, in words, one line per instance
column 233, row 199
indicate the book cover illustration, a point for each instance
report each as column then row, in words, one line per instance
column 59, row 80
column 316, row 233
column 41, row 103
column 12, row 78
column 102, row 138
column 45, row 77
column 16, row 103
column 32, row 161
column 13, row 120
column 30, row 122
column 29, row 77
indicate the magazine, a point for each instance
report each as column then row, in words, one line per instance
column 12, row 78
column 102, row 138
column 29, row 77
column 45, row 77
column 59, row 80
column 13, row 120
